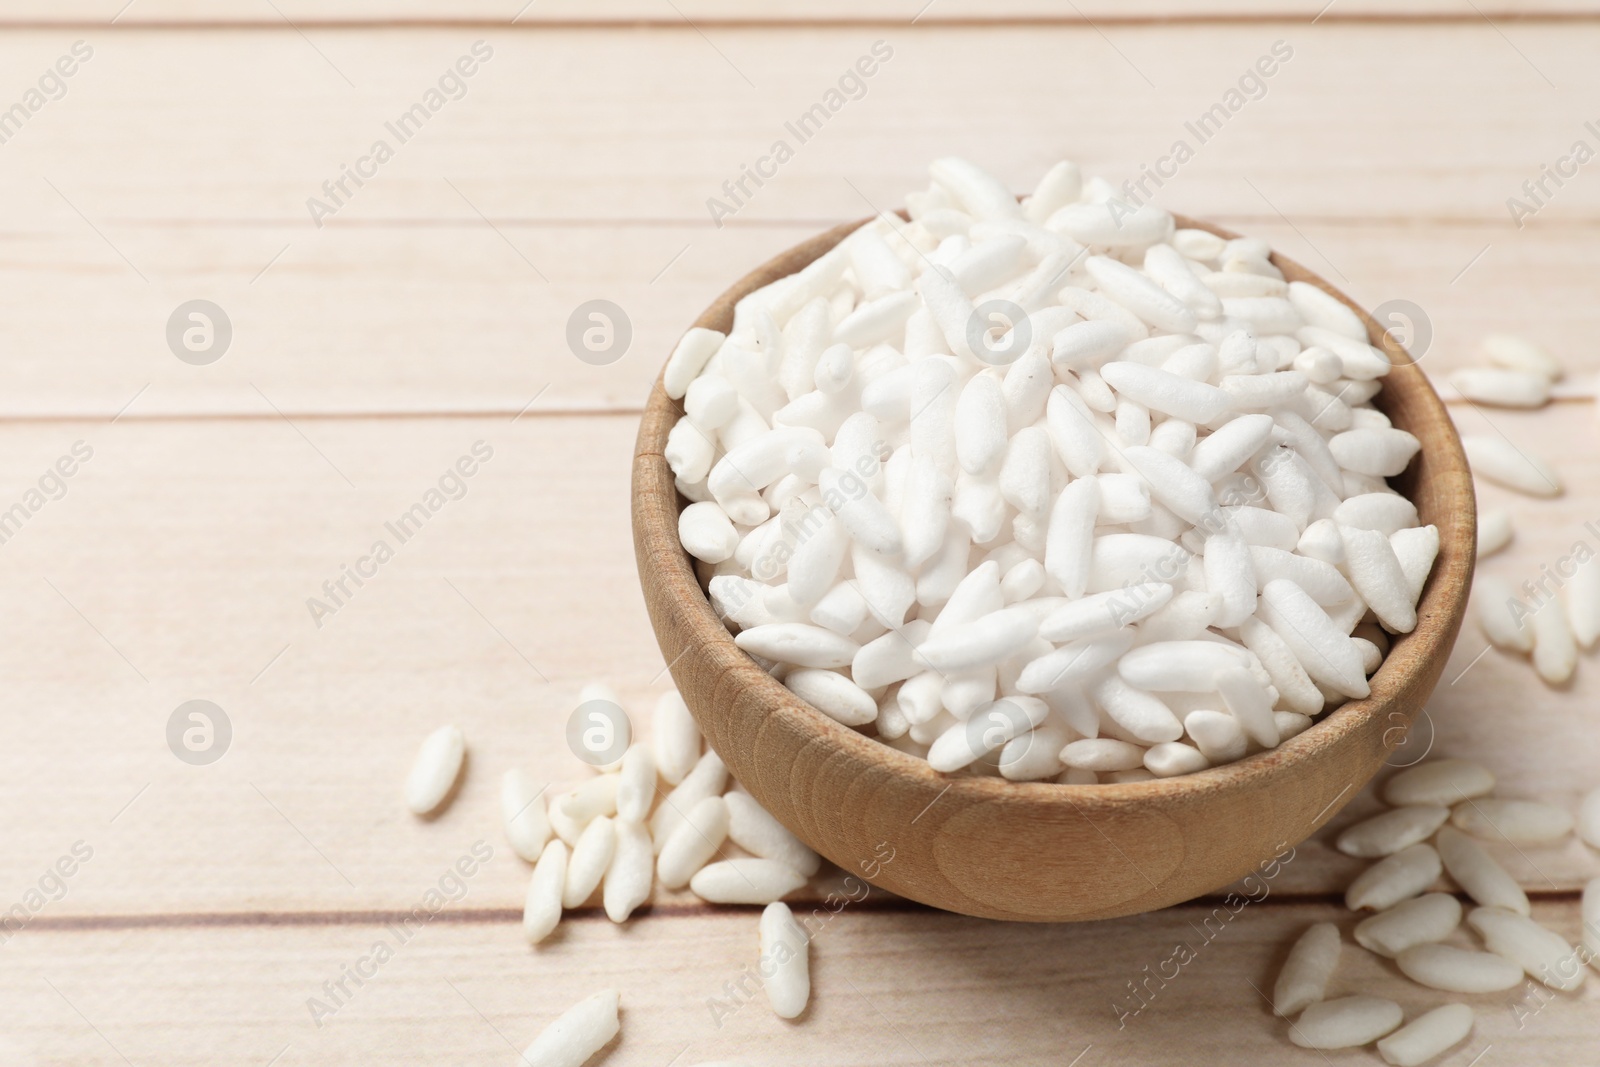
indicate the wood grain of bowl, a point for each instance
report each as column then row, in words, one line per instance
column 1041, row 851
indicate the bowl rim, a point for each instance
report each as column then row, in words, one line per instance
column 1440, row 609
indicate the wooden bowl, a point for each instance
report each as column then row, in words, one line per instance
column 1040, row 851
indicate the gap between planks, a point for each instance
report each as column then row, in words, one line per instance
column 221, row 413
column 884, row 903
column 1585, row 392
column 1229, row 220
column 1476, row 17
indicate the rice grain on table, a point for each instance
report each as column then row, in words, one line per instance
column 693, row 841
column 1347, row 1022
column 1393, row 830
column 708, row 778
column 591, row 856
column 1502, row 387
column 1520, row 354
column 1439, row 782
column 1492, row 600
column 675, row 739
column 627, row 880
column 595, row 797
column 745, row 880
column 1428, row 1035
column 1555, row 652
column 1477, row 873
column 1305, row 975
column 577, row 1034
column 563, row 825
column 1458, row 970
column 1588, row 821
column 1394, row 878
column 522, row 811
column 1582, row 598
column 1505, row 464
column 1544, row 954
column 541, row 912
column 636, row 784
column 1590, row 917
column 1422, row 920
column 435, row 770
column 785, row 951
column 753, row 828
column 1521, row 822
column 1495, row 531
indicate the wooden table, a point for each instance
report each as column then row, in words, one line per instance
column 429, row 312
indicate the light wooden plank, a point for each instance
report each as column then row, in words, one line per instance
column 1398, row 121
column 721, row 12
column 179, row 564
column 168, row 616
column 895, row 988
column 379, row 319
column 219, row 898
column 388, row 319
